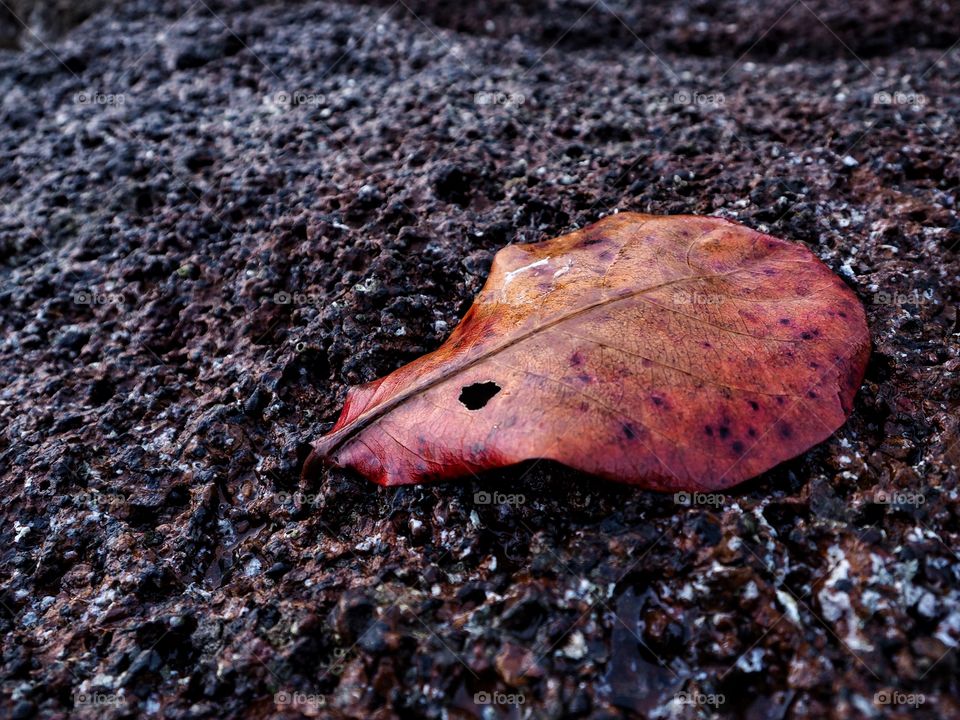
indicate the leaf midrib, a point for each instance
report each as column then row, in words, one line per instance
column 334, row 441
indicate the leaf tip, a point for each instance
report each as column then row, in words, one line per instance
column 312, row 465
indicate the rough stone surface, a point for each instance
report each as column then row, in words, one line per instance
column 214, row 217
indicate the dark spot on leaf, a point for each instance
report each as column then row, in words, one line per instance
column 842, row 314
column 658, row 401
column 785, row 430
column 806, row 336
column 754, row 404
column 708, row 430
column 737, row 446
column 752, row 432
column 784, row 321
column 576, row 359
column 724, row 431
column 629, row 431
column 780, row 400
column 477, row 395
column 811, row 394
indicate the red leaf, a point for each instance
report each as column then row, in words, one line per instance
column 669, row 352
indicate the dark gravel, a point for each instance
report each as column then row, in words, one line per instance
column 216, row 217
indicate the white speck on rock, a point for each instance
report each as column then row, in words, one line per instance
column 835, row 602
column 576, row 647
column 19, row 531
column 752, row 661
column 949, row 629
column 927, row 605
column 789, row 607
column 252, row 568
column 366, row 544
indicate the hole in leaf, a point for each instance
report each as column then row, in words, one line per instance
column 477, row 395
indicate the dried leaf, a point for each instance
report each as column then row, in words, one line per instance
column 677, row 352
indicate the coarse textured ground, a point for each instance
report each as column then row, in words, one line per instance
column 216, row 216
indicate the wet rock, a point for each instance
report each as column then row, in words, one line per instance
column 72, row 338
column 157, row 395
column 517, row 666
column 453, row 183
